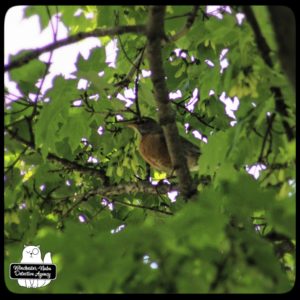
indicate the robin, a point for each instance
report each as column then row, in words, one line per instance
column 153, row 147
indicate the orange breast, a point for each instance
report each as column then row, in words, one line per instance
column 154, row 150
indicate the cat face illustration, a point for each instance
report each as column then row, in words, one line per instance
column 31, row 254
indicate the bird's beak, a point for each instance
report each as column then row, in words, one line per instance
column 129, row 123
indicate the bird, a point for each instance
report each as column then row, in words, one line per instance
column 153, row 147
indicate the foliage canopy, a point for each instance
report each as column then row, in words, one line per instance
column 76, row 185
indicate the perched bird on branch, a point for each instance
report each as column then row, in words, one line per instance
column 153, row 147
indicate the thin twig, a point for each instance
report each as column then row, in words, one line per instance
column 14, row 123
column 120, row 189
column 189, row 22
column 130, row 74
column 257, row 133
column 192, row 15
column 37, row 192
column 99, row 210
column 19, row 98
column 17, row 112
column 125, row 53
column 80, row 168
column 177, row 16
column 10, row 167
column 15, row 136
column 82, row 199
column 136, row 85
column 30, row 129
column 55, row 32
column 270, row 120
column 194, row 115
column 143, row 207
column 70, row 164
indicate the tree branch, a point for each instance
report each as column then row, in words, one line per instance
column 124, row 188
column 136, row 84
column 125, row 53
column 268, row 133
column 282, row 243
column 105, row 190
column 190, row 21
column 259, row 38
column 138, row 29
column 130, row 74
column 67, row 163
column 15, row 136
column 19, row 111
column 283, row 21
column 140, row 186
column 155, row 32
column 80, row 168
column 143, row 207
column 281, row 108
column 10, row 167
column 178, row 104
column 264, row 48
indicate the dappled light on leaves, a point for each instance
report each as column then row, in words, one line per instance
column 78, row 80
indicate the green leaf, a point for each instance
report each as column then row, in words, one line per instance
column 263, row 18
column 173, row 25
column 28, row 75
column 79, row 23
column 222, row 31
column 213, row 153
column 41, row 12
column 75, row 128
column 53, row 113
column 199, row 234
column 244, row 196
column 209, row 79
column 98, row 84
column 63, row 147
column 105, row 16
column 95, row 61
column 68, row 12
column 282, row 217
